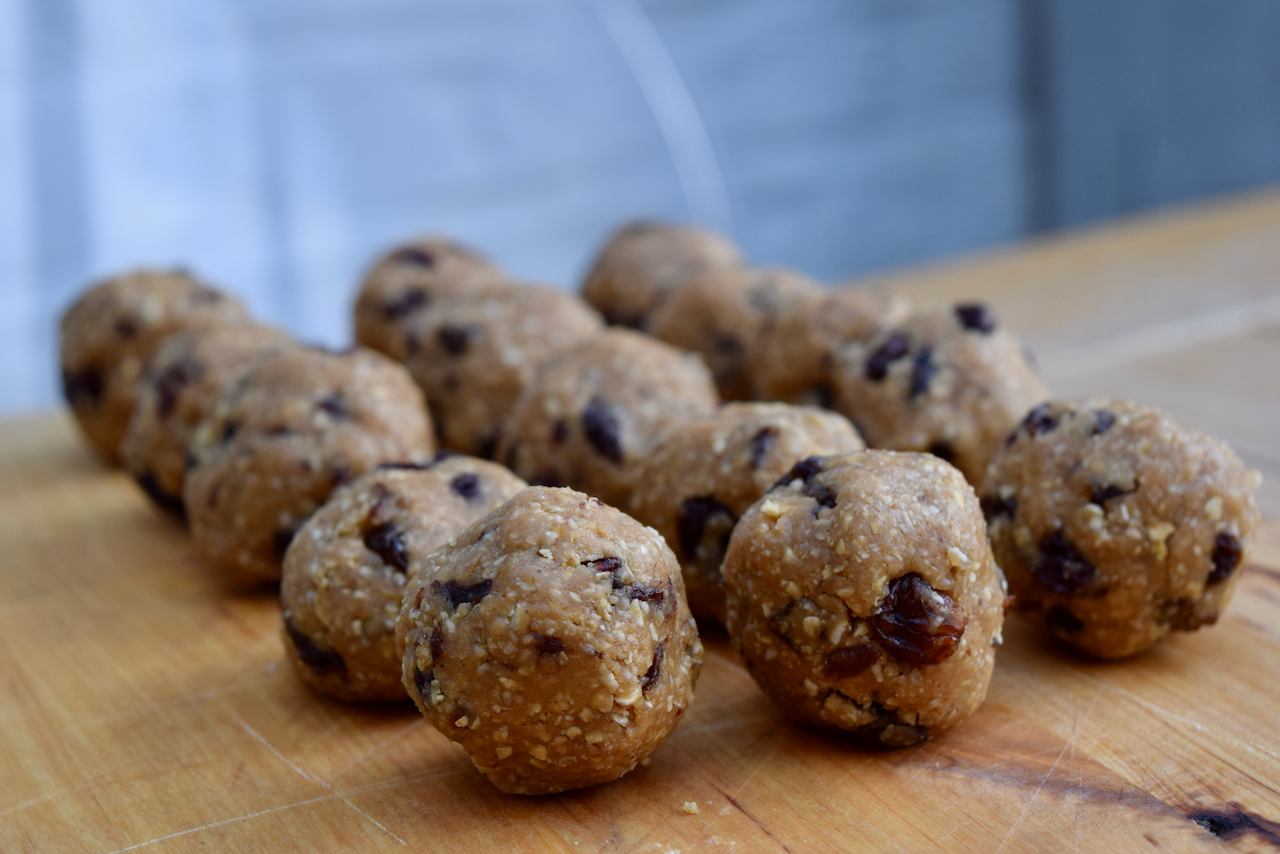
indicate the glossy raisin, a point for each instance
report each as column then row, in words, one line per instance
column 976, row 317
column 421, row 679
column 603, row 429
column 850, row 662
column 456, row 339
column 322, row 662
column 405, row 304
column 436, row 645
column 804, row 471
column 1228, row 551
column 703, row 527
column 917, row 624
column 385, row 541
column 760, row 444
column 455, row 594
column 654, row 672
column 893, row 349
column 923, row 371
column 1103, row 420
column 1062, row 568
column 466, row 485
column 1041, row 419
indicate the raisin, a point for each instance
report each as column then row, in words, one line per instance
column 436, row 645
column 611, row 565
column 83, row 388
column 1063, row 621
column 414, row 257
column 848, row 663
column 334, row 404
column 893, row 349
column 171, row 382
column 322, row 662
column 405, row 304
column 1062, row 568
column 917, row 624
column 559, row 431
column 760, row 444
column 455, row 594
column 456, row 339
column 421, row 679
column 466, row 486
column 943, row 450
column 993, row 507
column 646, row 594
column 603, row 429
column 703, row 526
column 1103, row 420
column 126, row 327
column 1101, row 494
column 886, row 731
column 409, row 466
column 821, row 493
column 655, row 670
column 805, row 470
column 923, row 371
column 280, row 541
column 976, row 316
column 1041, row 419
column 384, row 540
column 547, row 644
column 165, row 500
column 1228, row 551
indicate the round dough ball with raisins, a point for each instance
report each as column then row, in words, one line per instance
column 178, row 390
column 595, row 410
column 950, row 382
column 345, row 572
column 1116, row 524
column 552, row 641
column 862, row 595
column 643, row 262
column 707, row 471
column 795, row 356
column 407, row 279
column 282, row 436
column 109, row 333
column 474, row 355
column 721, row 314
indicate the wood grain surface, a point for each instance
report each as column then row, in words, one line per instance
column 143, row 707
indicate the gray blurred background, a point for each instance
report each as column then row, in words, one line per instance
column 275, row 146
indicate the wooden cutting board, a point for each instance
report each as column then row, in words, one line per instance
column 142, row 707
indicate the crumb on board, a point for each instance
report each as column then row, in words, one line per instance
column 690, row 807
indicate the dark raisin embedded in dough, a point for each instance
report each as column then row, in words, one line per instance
column 436, row 645
column 1062, row 568
column 917, row 624
column 405, row 304
column 171, row 382
column 335, row 404
column 455, row 594
column 1103, row 420
column 652, row 675
column 976, row 316
column 421, row 679
column 466, row 485
column 1228, row 551
column 993, row 507
column 850, row 662
column 820, row 493
column 885, row 730
column 943, row 450
column 547, row 644
column 805, row 471
column 760, row 444
column 1063, row 621
column 165, row 500
column 385, row 541
column 893, row 349
column 645, row 593
column 611, row 565
column 456, row 339
column 322, row 662
column 280, row 541
column 559, row 431
column 409, row 466
column 603, row 429
column 1040, row 419
column 1101, row 494
column 83, row 388
column 703, row 527
column 923, row 371
column 415, row 257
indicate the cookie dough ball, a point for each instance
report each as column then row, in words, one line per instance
column 108, row 334
column 722, row 313
column 862, row 595
column 409, row 278
column 293, row 427
column 474, row 355
column 794, row 358
column 950, row 382
column 345, row 572
column 178, row 390
column 1116, row 525
column 552, row 641
column 643, row 262
column 595, row 410
column 695, row 485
